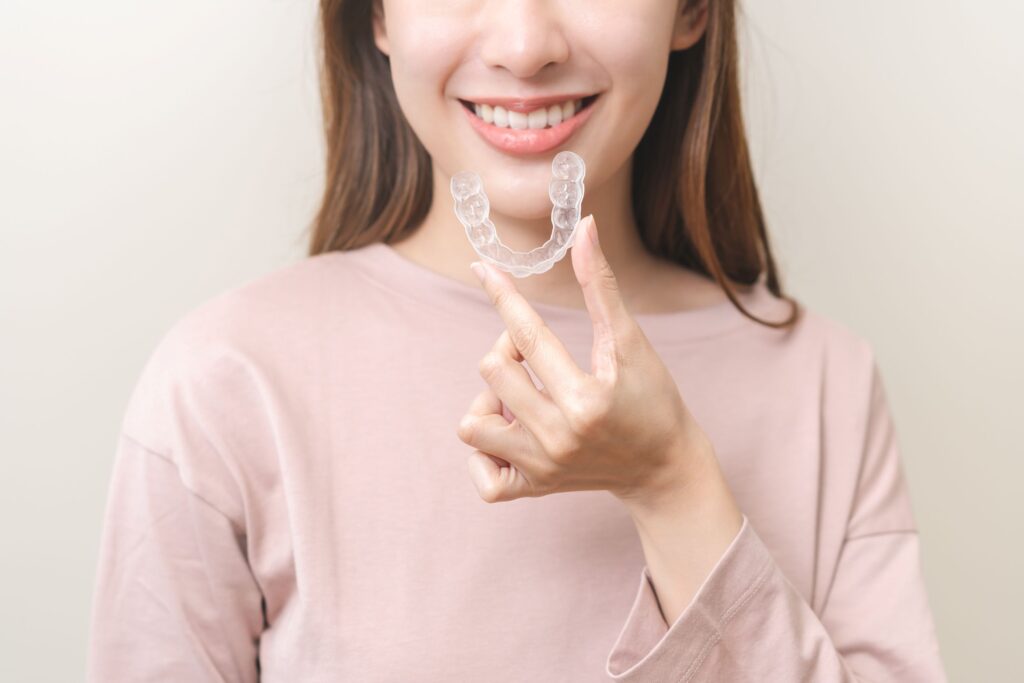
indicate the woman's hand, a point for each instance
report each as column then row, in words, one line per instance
column 623, row 427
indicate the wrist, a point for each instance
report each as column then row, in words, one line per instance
column 686, row 465
column 698, row 496
column 685, row 525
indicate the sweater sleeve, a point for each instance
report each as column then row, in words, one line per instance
column 175, row 599
column 747, row 622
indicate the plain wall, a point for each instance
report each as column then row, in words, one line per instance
column 155, row 154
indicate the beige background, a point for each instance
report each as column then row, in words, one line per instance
column 154, row 154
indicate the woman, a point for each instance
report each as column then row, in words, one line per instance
column 290, row 499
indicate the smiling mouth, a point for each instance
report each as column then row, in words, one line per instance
column 536, row 119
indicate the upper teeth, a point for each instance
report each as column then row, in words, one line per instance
column 538, row 118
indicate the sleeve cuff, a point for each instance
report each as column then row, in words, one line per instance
column 648, row 649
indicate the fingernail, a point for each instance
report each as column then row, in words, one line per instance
column 478, row 270
column 593, row 232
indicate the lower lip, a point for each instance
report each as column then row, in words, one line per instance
column 527, row 140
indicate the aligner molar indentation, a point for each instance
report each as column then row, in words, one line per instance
column 566, row 193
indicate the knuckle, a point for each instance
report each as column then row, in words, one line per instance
column 562, row 448
column 525, row 337
column 467, row 428
column 582, row 422
column 490, row 365
column 490, row 493
column 502, row 298
column 586, row 412
column 545, row 476
column 606, row 277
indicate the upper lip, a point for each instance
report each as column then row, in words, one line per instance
column 527, row 104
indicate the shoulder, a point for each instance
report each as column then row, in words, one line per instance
column 851, row 390
column 224, row 354
column 832, row 360
column 814, row 335
column 838, row 340
column 260, row 309
column 265, row 314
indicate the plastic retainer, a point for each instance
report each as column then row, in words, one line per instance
column 566, row 192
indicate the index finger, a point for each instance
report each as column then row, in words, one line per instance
column 539, row 346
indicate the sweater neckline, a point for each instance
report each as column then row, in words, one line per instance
column 386, row 268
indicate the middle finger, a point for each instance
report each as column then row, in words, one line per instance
column 503, row 370
column 543, row 350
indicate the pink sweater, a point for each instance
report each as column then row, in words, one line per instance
column 290, row 503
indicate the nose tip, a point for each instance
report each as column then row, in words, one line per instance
column 524, row 38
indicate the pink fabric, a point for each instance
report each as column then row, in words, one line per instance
column 290, row 502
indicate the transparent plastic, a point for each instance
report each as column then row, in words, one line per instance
column 566, row 192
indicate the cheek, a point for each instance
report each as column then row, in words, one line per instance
column 632, row 53
column 421, row 64
column 421, row 45
column 633, row 49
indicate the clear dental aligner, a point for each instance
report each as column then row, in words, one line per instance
column 566, row 193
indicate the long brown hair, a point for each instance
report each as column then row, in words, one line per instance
column 694, row 195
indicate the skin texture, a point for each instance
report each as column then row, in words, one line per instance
column 622, row 427
column 450, row 49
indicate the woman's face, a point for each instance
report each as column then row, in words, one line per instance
column 447, row 56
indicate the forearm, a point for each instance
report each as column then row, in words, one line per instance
column 684, row 530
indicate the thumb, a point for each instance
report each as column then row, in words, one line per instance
column 600, row 287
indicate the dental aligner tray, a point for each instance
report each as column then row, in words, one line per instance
column 566, row 192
